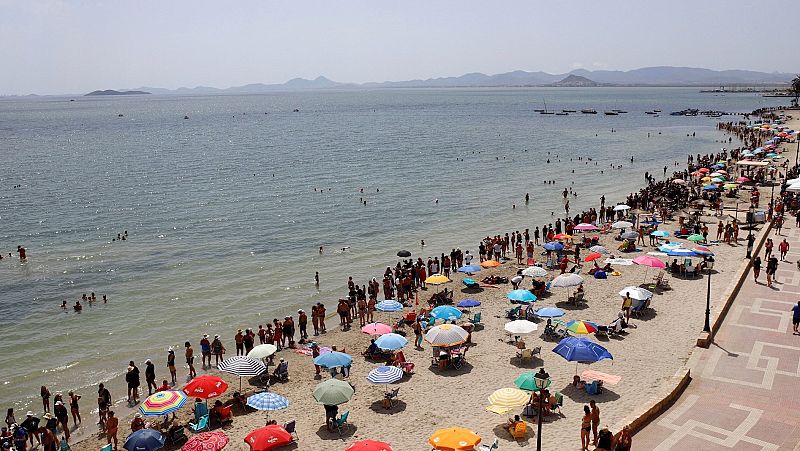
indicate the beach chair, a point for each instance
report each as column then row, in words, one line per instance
column 514, row 312
column 340, row 422
column 547, row 286
column 108, row 447
column 291, row 427
column 178, row 436
column 431, row 322
column 577, row 299
column 401, row 362
column 525, row 354
column 520, row 430
column 491, row 447
column 639, row 308
column 391, row 396
column 476, row 319
column 200, row 426
column 200, row 410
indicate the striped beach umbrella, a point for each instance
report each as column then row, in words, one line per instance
column 446, row 335
column 242, row 366
column 509, row 397
column 163, row 403
column 206, row 441
column 385, row 375
column 389, row 305
column 267, row 401
column 581, row 327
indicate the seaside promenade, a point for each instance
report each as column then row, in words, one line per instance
column 743, row 393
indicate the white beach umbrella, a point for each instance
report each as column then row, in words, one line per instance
column 567, row 281
column 638, row 293
column 520, row 327
column 446, row 335
column 599, row 249
column 621, row 225
column 262, row 351
column 621, row 207
column 534, row 271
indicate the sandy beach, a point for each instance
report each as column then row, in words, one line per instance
column 657, row 344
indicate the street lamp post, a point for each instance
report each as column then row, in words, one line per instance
column 541, row 384
column 709, row 266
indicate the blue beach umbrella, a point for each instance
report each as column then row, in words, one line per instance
column 391, row 342
column 385, row 375
column 523, row 296
column 575, row 349
column 468, row 303
column 267, row 401
column 389, row 305
column 659, row 233
column 469, row 268
column 554, row 246
column 550, row 312
column 710, row 188
column 680, row 252
column 446, row 312
column 333, row 360
column 144, row 440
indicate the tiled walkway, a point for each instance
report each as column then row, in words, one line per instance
column 745, row 391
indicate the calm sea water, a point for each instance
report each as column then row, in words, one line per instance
column 224, row 221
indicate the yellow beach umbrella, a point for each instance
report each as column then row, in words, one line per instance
column 490, row 264
column 705, row 179
column 437, row 279
column 509, row 397
column 454, row 439
column 500, row 410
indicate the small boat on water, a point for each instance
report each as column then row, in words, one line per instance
column 563, row 113
column 657, row 111
column 589, row 111
column 538, row 111
column 650, row 112
column 619, row 111
column 568, row 111
column 610, row 113
column 544, row 111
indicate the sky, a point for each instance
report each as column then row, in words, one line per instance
column 70, row 47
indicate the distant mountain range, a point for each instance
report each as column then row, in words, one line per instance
column 647, row 76
column 111, row 92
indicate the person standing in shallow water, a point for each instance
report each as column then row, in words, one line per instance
column 190, row 359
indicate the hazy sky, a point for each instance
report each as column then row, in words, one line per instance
column 53, row 46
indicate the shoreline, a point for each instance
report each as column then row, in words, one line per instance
column 556, row 295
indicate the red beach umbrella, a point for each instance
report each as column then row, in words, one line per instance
column 592, row 257
column 206, row 441
column 205, row 387
column 267, row 438
column 369, row 445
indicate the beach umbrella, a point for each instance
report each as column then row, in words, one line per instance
column 679, row 181
column 599, row 249
column 592, row 257
column 242, row 366
column 490, row 263
column 647, row 260
column 659, row 233
column 567, row 280
column 554, row 246
column 469, row 269
column 638, row 293
column 666, row 247
column 206, row 441
column 268, row 401
column 581, row 327
column 333, row 392
column 389, row 305
column 621, row 225
column 446, row 335
column 262, row 351
column 144, row 440
column 509, row 397
column 333, row 359
column 535, row 271
column 527, row 381
column 385, row 374
column 391, row 342
column 584, row 227
column 523, row 296
column 376, row 329
column 630, row 235
column 520, row 327
column 268, row 438
column 704, row 170
column 437, row 279
column 404, row 253
column 550, row 312
column 468, row 303
column 710, row 188
column 703, row 251
column 695, row 237
column 621, row 207
column 575, row 349
column 562, row 236
column 446, row 312
column 205, row 387
column 454, row 439
column 680, row 252
column 730, row 186
column 369, row 445
column 163, row 403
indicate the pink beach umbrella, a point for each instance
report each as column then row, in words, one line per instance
column 584, row 227
column 649, row 261
column 376, row 329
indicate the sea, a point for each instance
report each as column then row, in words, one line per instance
column 226, row 200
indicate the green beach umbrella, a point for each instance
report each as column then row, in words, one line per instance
column 729, row 185
column 526, row 381
column 695, row 237
column 333, row 392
